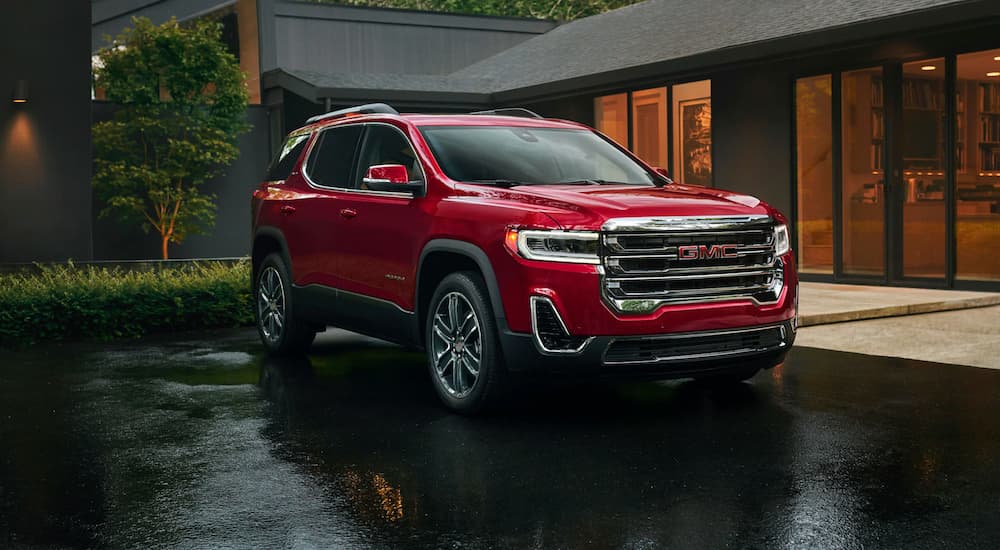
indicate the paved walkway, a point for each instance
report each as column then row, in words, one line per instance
column 823, row 303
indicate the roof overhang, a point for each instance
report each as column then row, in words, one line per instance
column 317, row 91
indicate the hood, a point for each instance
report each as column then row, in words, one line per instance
column 589, row 206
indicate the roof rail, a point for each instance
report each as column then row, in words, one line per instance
column 509, row 111
column 359, row 110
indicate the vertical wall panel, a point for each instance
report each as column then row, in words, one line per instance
column 752, row 134
column 45, row 143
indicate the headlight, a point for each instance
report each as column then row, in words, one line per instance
column 578, row 247
column 781, row 243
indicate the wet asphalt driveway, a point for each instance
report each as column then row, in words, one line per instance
column 201, row 441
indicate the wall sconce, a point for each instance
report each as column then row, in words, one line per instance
column 20, row 94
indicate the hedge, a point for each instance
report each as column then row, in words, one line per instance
column 68, row 301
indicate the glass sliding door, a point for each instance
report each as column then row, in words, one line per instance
column 611, row 117
column 863, row 200
column 814, row 173
column 649, row 126
column 922, row 144
column 692, row 116
column 977, row 166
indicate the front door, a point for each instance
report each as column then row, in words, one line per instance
column 380, row 232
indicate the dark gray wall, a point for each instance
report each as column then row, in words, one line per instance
column 45, row 143
column 110, row 17
column 343, row 39
column 231, row 235
column 752, row 134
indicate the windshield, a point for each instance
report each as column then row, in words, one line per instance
column 530, row 156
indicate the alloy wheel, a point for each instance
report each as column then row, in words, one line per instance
column 270, row 304
column 456, row 344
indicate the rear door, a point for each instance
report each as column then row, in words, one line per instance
column 328, row 173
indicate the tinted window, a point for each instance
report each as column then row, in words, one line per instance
column 332, row 157
column 284, row 162
column 386, row 145
column 530, row 155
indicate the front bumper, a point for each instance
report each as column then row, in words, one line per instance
column 665, row 356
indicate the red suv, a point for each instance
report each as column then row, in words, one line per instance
column 503, row 242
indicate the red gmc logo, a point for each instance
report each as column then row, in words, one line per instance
column 703, row 252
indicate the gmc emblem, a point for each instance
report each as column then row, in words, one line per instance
column 704, row 252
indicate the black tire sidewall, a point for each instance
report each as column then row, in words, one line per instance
column 291, row 339
column 491, row 368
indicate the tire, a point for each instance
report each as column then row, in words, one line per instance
column 280, row 330
column 454, row 341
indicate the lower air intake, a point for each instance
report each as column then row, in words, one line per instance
column 550, row 332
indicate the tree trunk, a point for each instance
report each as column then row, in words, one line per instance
column 166, row 240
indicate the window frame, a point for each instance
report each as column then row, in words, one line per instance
column 317, row 137
column 357, row 175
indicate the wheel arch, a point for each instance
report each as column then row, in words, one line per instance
column 441, row 257
column 265, row 241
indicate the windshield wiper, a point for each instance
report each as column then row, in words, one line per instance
column 595, row 182
column 499, row 182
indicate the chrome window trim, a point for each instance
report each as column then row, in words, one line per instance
column 699, row 356
column 534, row 300
column 394, row 194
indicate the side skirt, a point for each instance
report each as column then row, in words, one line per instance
column 357, row 313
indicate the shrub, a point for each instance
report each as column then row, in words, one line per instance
column 90, row 302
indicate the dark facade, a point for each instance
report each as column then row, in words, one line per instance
column 45, row 141
column 870, row 123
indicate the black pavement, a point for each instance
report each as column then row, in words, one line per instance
column 202, row 441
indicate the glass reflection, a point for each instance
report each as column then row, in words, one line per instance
column 977, row 177
column 863, row 154
column 814, row 163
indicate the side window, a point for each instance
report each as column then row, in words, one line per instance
column 284, row 162
column 332, row 157
column 387, row 145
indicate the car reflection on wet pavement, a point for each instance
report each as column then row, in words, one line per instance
column 202, row 441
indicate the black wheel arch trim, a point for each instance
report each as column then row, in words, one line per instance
column 478, row 256
column 276, row 234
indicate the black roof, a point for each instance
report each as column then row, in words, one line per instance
column 653, row 39
column 658, row 31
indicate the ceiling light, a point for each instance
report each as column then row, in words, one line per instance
column 928, row 68
column 993, row 73
column 997, row 58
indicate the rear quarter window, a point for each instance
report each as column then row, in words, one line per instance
column 284, row 162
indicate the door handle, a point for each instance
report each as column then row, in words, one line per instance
column 348, row 213
column 286, row 210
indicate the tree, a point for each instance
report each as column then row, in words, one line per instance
column 182, row 104
column 546, row 9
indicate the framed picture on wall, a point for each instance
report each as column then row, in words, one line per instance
column 696, row 141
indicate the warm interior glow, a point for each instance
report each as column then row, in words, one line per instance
column 20, row 101
column 928, row 68
column 993, row 73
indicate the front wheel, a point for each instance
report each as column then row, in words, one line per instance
column 279, row 329
column 463, row 349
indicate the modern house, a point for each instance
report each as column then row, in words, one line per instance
column 874, row 124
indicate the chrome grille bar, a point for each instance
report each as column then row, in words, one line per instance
column 726, row 257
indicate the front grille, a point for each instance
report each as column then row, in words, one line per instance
column 651, row 262
column 695, row 346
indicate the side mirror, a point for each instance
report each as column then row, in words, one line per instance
column 390, row 177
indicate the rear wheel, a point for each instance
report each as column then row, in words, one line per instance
column 463, row 349
column 279, row 329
